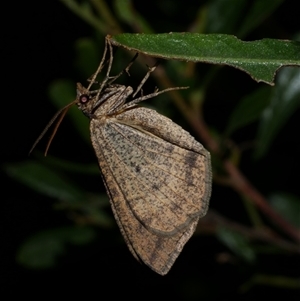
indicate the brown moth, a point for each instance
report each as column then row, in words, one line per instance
column 157, row 176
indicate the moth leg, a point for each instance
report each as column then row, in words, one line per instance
column 92, row 79
column 151, row 95
column 110, row 61
column 108, row 80
column 108, row 47
column 150, row 70
column 113, row 78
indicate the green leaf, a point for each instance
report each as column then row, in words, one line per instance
column 260, row 59
column 236, row 243
column 249, row 109
column 62, row 92
column 288, row 206
column 285, row 100
column 46, row 181
column 43, row 249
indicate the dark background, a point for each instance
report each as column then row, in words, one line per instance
column 37, row 46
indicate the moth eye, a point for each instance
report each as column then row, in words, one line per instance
column 84, row 98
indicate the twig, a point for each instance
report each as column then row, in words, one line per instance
column 213, row 221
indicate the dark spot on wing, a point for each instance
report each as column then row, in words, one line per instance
column 191, row 159
column 155, row 187
column 170, row 148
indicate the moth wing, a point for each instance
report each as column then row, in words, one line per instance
column 158, row 178
column 156, row 251
column 166, row 161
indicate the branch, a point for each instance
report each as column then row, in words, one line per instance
column 214, row 221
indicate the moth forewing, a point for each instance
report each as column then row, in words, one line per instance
column 178, row 162
column 158, row 251
column 158, row 178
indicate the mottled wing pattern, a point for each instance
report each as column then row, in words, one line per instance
column 158, row 178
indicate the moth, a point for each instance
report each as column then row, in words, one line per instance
column 157, row 176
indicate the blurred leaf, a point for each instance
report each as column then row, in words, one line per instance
column 249, row 109
column 90, row 210
column 87, row 56
column 256, row 14
column 101, row 218
column 260, row 59
column 284, row 102
column 238, row 16
column 62, row 92
column 288, row 206
column 87, row 207
column 271, row 280
column 42, row 250
column 96, row 215
column 106, row 16
column 237, row 243
column 85, row 12
column 46, row 181
column 126, row 12
column 225, row 15
column 66, row 165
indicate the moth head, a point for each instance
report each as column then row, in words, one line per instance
column 85, row 100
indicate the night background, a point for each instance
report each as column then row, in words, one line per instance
column 53, row 244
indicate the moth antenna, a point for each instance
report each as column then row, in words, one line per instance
column 61, row 112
